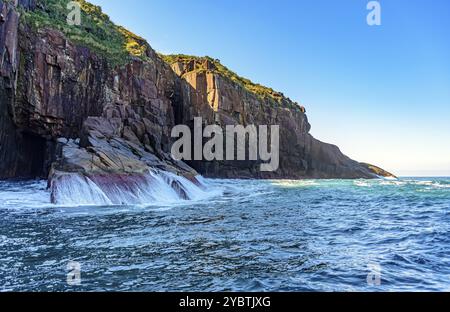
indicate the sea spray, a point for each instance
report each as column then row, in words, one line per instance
column 154, row 187
column 76, row 189
column 301, row 232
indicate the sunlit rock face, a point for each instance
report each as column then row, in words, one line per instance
column 220, row 98
column 65, row 108
column 49, row 87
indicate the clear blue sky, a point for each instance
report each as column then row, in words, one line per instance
column 382, row 94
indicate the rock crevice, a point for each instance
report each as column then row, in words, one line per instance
column 117, row 119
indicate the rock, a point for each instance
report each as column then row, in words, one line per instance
column 119, row 119
column 138, row 128
column 108, row 128
column 378, row 171
column 129, row 135
column 13, row 149
column 109, row 159
column 179, row 189
column 27, row 4
column 61, row 88
column 219, row 100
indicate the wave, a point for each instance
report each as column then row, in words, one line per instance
column 420, row 186
column 294, row 183
column 26, row 193
column 394, row 182
column 439, row 185
column 388, row 178
column 362, row 183
column 153, row 188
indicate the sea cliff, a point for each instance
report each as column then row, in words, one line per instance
column 96, row 100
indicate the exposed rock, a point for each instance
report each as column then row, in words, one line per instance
column 219, row 100
column 110, row 161
column 102, row 150
column 378, row 171
column 22, row 153
column 118, row 119
column 179, row 189
column 59, row 85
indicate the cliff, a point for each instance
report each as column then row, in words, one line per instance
column 222, row 97
column 97, row 100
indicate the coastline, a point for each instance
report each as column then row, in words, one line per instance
column 68, row 107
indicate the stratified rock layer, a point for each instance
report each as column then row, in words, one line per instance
column 117, row 120
column 219, row 100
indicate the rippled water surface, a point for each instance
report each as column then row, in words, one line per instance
column 249, row 236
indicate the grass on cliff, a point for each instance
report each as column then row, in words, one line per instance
column 118, row 45
column 261, row 91
column 96, row 31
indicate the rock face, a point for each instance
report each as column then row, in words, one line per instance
column 50, row 87
column 117, row 120
column 219, row 100
column 68, row 114
column 10, row 152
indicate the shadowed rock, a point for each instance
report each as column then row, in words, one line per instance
column 117, row 118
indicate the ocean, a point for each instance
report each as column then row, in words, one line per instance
column 239, row 235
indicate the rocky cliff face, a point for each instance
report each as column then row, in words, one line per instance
column 72, row 115
column 216, row 96
column 50, row 86
column 117, row 119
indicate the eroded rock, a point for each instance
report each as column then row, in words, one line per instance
column 122, row 116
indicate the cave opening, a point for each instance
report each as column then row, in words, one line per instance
column 36, row 156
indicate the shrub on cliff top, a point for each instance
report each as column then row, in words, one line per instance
column 117, row 44
column 96, row 31
column 268, row 94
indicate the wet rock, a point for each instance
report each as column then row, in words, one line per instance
column 179, row 190
column 106, row 156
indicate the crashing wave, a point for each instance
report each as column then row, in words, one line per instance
column 155, row 187
column 388, row 178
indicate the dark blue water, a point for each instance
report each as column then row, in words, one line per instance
column 254, row 236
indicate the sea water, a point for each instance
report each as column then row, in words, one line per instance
column 311, row 235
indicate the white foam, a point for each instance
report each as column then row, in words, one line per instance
column 294, row 183
column 154, row 188
column 362, row 183
column 393, row 182
column 193, row 191
column 74, row 190
column 388, row 178
column 31, row 194
column 203, row 182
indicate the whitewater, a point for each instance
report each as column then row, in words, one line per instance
column 230, row 235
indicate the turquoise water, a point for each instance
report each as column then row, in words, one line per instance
column 248, row 236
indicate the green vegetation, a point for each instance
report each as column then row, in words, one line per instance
column 96, row 31
column 268, row 94
column 378, row 171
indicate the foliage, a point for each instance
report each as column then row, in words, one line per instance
column 96, row 31
column 268, row 94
